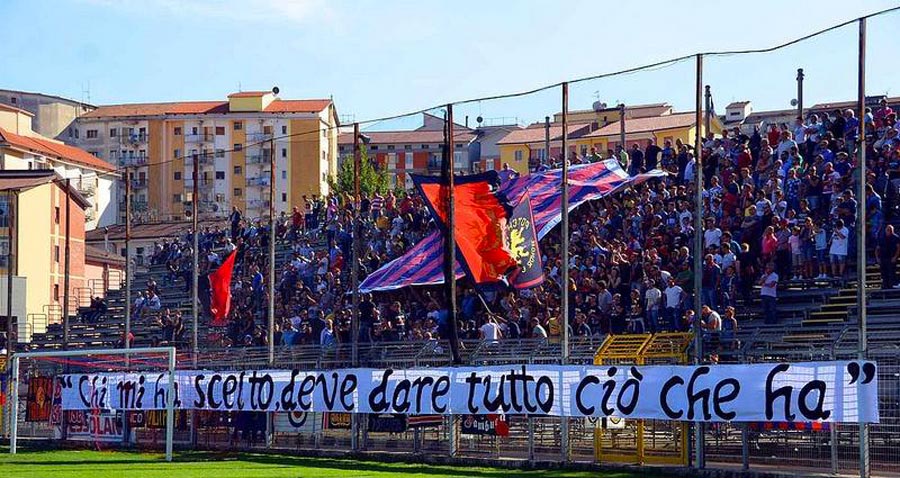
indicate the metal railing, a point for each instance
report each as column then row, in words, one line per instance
column 199, row 138
column 258, row 181
column 133, row 138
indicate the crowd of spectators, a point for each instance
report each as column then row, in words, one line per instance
column 779, row 203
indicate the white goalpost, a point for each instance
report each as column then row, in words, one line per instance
column 63, row 354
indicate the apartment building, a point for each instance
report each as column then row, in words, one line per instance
column 415, row 151
column 22, row 148
column 33, row 202
column 231, row 140
column 52, row 115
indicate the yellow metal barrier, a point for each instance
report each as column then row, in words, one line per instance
column 642, row 441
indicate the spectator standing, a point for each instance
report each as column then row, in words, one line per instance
column 768, row 293
column 887, row 251
column 840, row 240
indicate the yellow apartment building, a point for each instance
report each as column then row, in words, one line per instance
column 231, row 140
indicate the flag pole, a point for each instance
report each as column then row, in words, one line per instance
column 447, row 170
column 564, row 231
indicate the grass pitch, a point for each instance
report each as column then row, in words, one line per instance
column 116, row 464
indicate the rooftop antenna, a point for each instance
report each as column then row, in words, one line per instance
column 86, row 93
column 239, row 87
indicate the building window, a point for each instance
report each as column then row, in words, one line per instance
column 95, row 153
column 220, row 131
column 407, row 147
column 283, row 197
column 56, row 216
column 176, row 198
column 374, row 147
column 238, row 147
column 238, row 125
column 237, row 192
column 113, row 132
column 459, row 145
column 220, row 174
column 220, row 153
column 390, row 147
column 238, row 170
column 283, row 174
column 56, row 253
column 283, row 129
column 14, row 100
column 178, row 175
column 113, row 154
column 268, row 129
column 518, row 155
column 424, row 146
column 283, row 152
column 177, row 153
column 177, row 131
column 56, row 292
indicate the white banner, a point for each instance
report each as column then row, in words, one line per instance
column 803, row 392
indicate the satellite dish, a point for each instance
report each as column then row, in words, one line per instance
column 599, row 105
column 794, row 102
column 275, row 90
column 479, row 119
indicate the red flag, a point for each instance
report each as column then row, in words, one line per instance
column 481, row 223
column 220, row 284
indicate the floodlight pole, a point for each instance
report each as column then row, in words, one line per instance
column 864, row 464
column 127, row 259
column 11, row 217
column 354, row 281
column 68, row 255
column 700, row 461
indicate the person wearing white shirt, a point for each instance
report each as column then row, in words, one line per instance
column 768, row 292
column 712, row 236
column 490, row 331
column 653, row 300
column 840, row 239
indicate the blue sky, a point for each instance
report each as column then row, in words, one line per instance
column 379, row 58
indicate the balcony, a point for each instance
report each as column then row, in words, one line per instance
column 87, row 189
column 138, row 184
column 199, row 138
column 257, row 159
column 132, row 161
column 258, row 137
column 258, row 204
column 206, row 159
column 133, row 138
column 136, row 206
column 259, row 181
column 203, row 183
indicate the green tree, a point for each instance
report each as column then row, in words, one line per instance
column 371, row 178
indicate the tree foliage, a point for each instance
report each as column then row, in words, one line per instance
column 372, row 179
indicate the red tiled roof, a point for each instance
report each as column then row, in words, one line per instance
column 55, row 150
column 297, row 106
column 15, row 110
column 653, row 123
column 201, row 107
column 99, row 255
column 535, row 133
column 21, row 180
column 249, row 94
column 407, row 137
